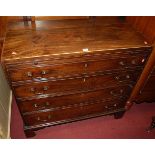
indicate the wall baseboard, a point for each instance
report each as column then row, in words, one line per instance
column 9, row 116
column 5, row 119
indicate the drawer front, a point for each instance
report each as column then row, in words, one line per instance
column 72, row 112
column 42, row 73
column 73, row 85
column 80, row 98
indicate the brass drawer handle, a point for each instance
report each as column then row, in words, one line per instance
column 38, row 118
column 32, row 89
column 117, row 94
column 45, row 88
column 128, row 76
column 110, row 107
column 47, row 103
column 35, row 63
column 115, row 105
column 121, row 91
column 29, row 74
column 122, row 63
column 49, row 116
column 117, row 77
column 106, row 107
column 133, row 62
column 35, row 105
column 112, row 93
column 43, row 72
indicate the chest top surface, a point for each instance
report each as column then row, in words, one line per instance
column 54, row 38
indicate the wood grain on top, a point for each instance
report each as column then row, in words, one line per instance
column 44, row 38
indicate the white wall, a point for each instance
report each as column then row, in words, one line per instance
column 5, row 106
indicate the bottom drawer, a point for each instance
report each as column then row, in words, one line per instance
column 72, row 112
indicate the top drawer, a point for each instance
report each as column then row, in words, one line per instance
column 62, row 70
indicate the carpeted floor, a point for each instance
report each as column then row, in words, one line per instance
column 132, row 125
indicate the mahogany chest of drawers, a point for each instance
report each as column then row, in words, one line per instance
column 63, row 71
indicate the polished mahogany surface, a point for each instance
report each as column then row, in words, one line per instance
column 65, row 37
